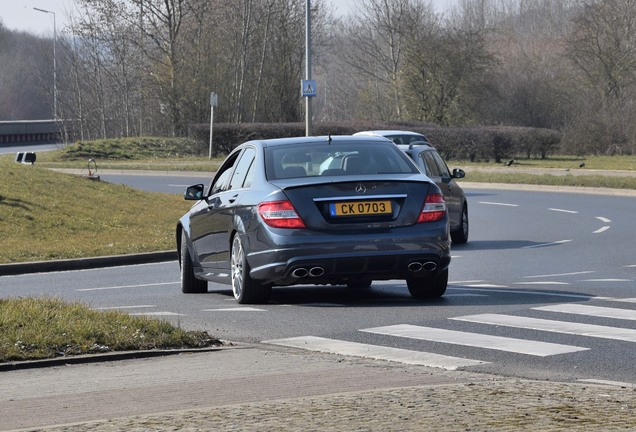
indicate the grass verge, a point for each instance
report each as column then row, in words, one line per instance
column 41, row 328
column 47, row 215
column 593, row 181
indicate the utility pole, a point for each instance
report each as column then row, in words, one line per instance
column 54, row 61
column 308, row 113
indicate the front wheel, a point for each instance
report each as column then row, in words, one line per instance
column 429, row 287
column 189, row 283
column 245, row 289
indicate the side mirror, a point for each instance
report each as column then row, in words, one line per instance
column 193, row 193
column 458, row 173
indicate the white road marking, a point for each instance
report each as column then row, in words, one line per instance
column 498, row 204
column 600, row 230
column 127, row 286
column 529, row 292
column 595, row 311
column 621, row 300
column 235, row 309
column 563, row 211
column 486, row 286
column 333, row 346
column 603, row 219
column 577, row 329
column 559, row 274
column 606, row 280
column 610, row 383
column 542, row 283
column 546, row 244
column 126, row 307
column 158, row 314
column 521, row 346
column 631, row 265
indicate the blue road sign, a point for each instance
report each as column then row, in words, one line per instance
column 308, row 88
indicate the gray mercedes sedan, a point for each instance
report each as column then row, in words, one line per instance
column 342, row 210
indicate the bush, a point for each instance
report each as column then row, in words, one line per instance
column 468, row 143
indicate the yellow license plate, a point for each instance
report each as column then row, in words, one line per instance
column 358, row 208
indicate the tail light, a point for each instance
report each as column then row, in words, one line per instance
column 434, row 208
column 280, row 214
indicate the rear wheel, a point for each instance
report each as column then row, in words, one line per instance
column 245, row 289
column 429, row 287
column 189, row 283
column 461, row 235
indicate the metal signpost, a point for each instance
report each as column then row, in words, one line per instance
column 309, row 95
column 214, row 100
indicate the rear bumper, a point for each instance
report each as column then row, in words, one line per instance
column 369, row 258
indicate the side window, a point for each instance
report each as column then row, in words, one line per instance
column 242, row 168
column 441, row 165
column 222, row 179
column 250, row 175
column 431, row 167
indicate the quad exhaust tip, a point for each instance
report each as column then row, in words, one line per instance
column 417, row 266
column 302, row 272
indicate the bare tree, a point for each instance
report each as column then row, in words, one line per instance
column 378, row 38
column 602, row 48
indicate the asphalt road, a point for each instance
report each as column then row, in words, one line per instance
column 544, row 289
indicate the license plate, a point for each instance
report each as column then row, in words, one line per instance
column 359, row 208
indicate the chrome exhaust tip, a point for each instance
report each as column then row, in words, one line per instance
column 429, row 266
column 415, row 266
column 300, row 273
column 316, row 271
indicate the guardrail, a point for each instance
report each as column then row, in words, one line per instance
column 29, row 132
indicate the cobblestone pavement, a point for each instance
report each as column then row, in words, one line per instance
column 255, row 389
column 493, row 406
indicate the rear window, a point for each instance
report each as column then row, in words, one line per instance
column 335, row 159
column 407, row 139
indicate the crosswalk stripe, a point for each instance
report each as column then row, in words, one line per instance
column 578, row 329
column 333, row 346
column 499, row 343
column 595, row 311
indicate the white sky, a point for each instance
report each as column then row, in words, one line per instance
column 20, row 15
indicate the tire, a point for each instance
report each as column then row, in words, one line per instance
column 189, row 283
column 461, row 235
column 429, row 287
column 244, row 288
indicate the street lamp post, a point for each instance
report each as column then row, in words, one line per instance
column 308, row 113
column 54, row 61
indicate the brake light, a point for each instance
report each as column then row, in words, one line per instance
column 280, row 214
column 434, row 208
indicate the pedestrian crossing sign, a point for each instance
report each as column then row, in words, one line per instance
column 308, row 88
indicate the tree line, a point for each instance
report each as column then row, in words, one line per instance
column 147, row 67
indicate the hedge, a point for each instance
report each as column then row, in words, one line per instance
column 477, row 143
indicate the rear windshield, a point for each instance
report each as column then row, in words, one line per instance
column 407, row 139
column 336, row 159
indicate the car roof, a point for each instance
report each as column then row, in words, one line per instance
column 320, row 139
column 387, row 132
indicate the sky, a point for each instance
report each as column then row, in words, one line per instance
column 20, row 15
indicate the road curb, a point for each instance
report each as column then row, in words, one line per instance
column 104, row 357
column 86, row 263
